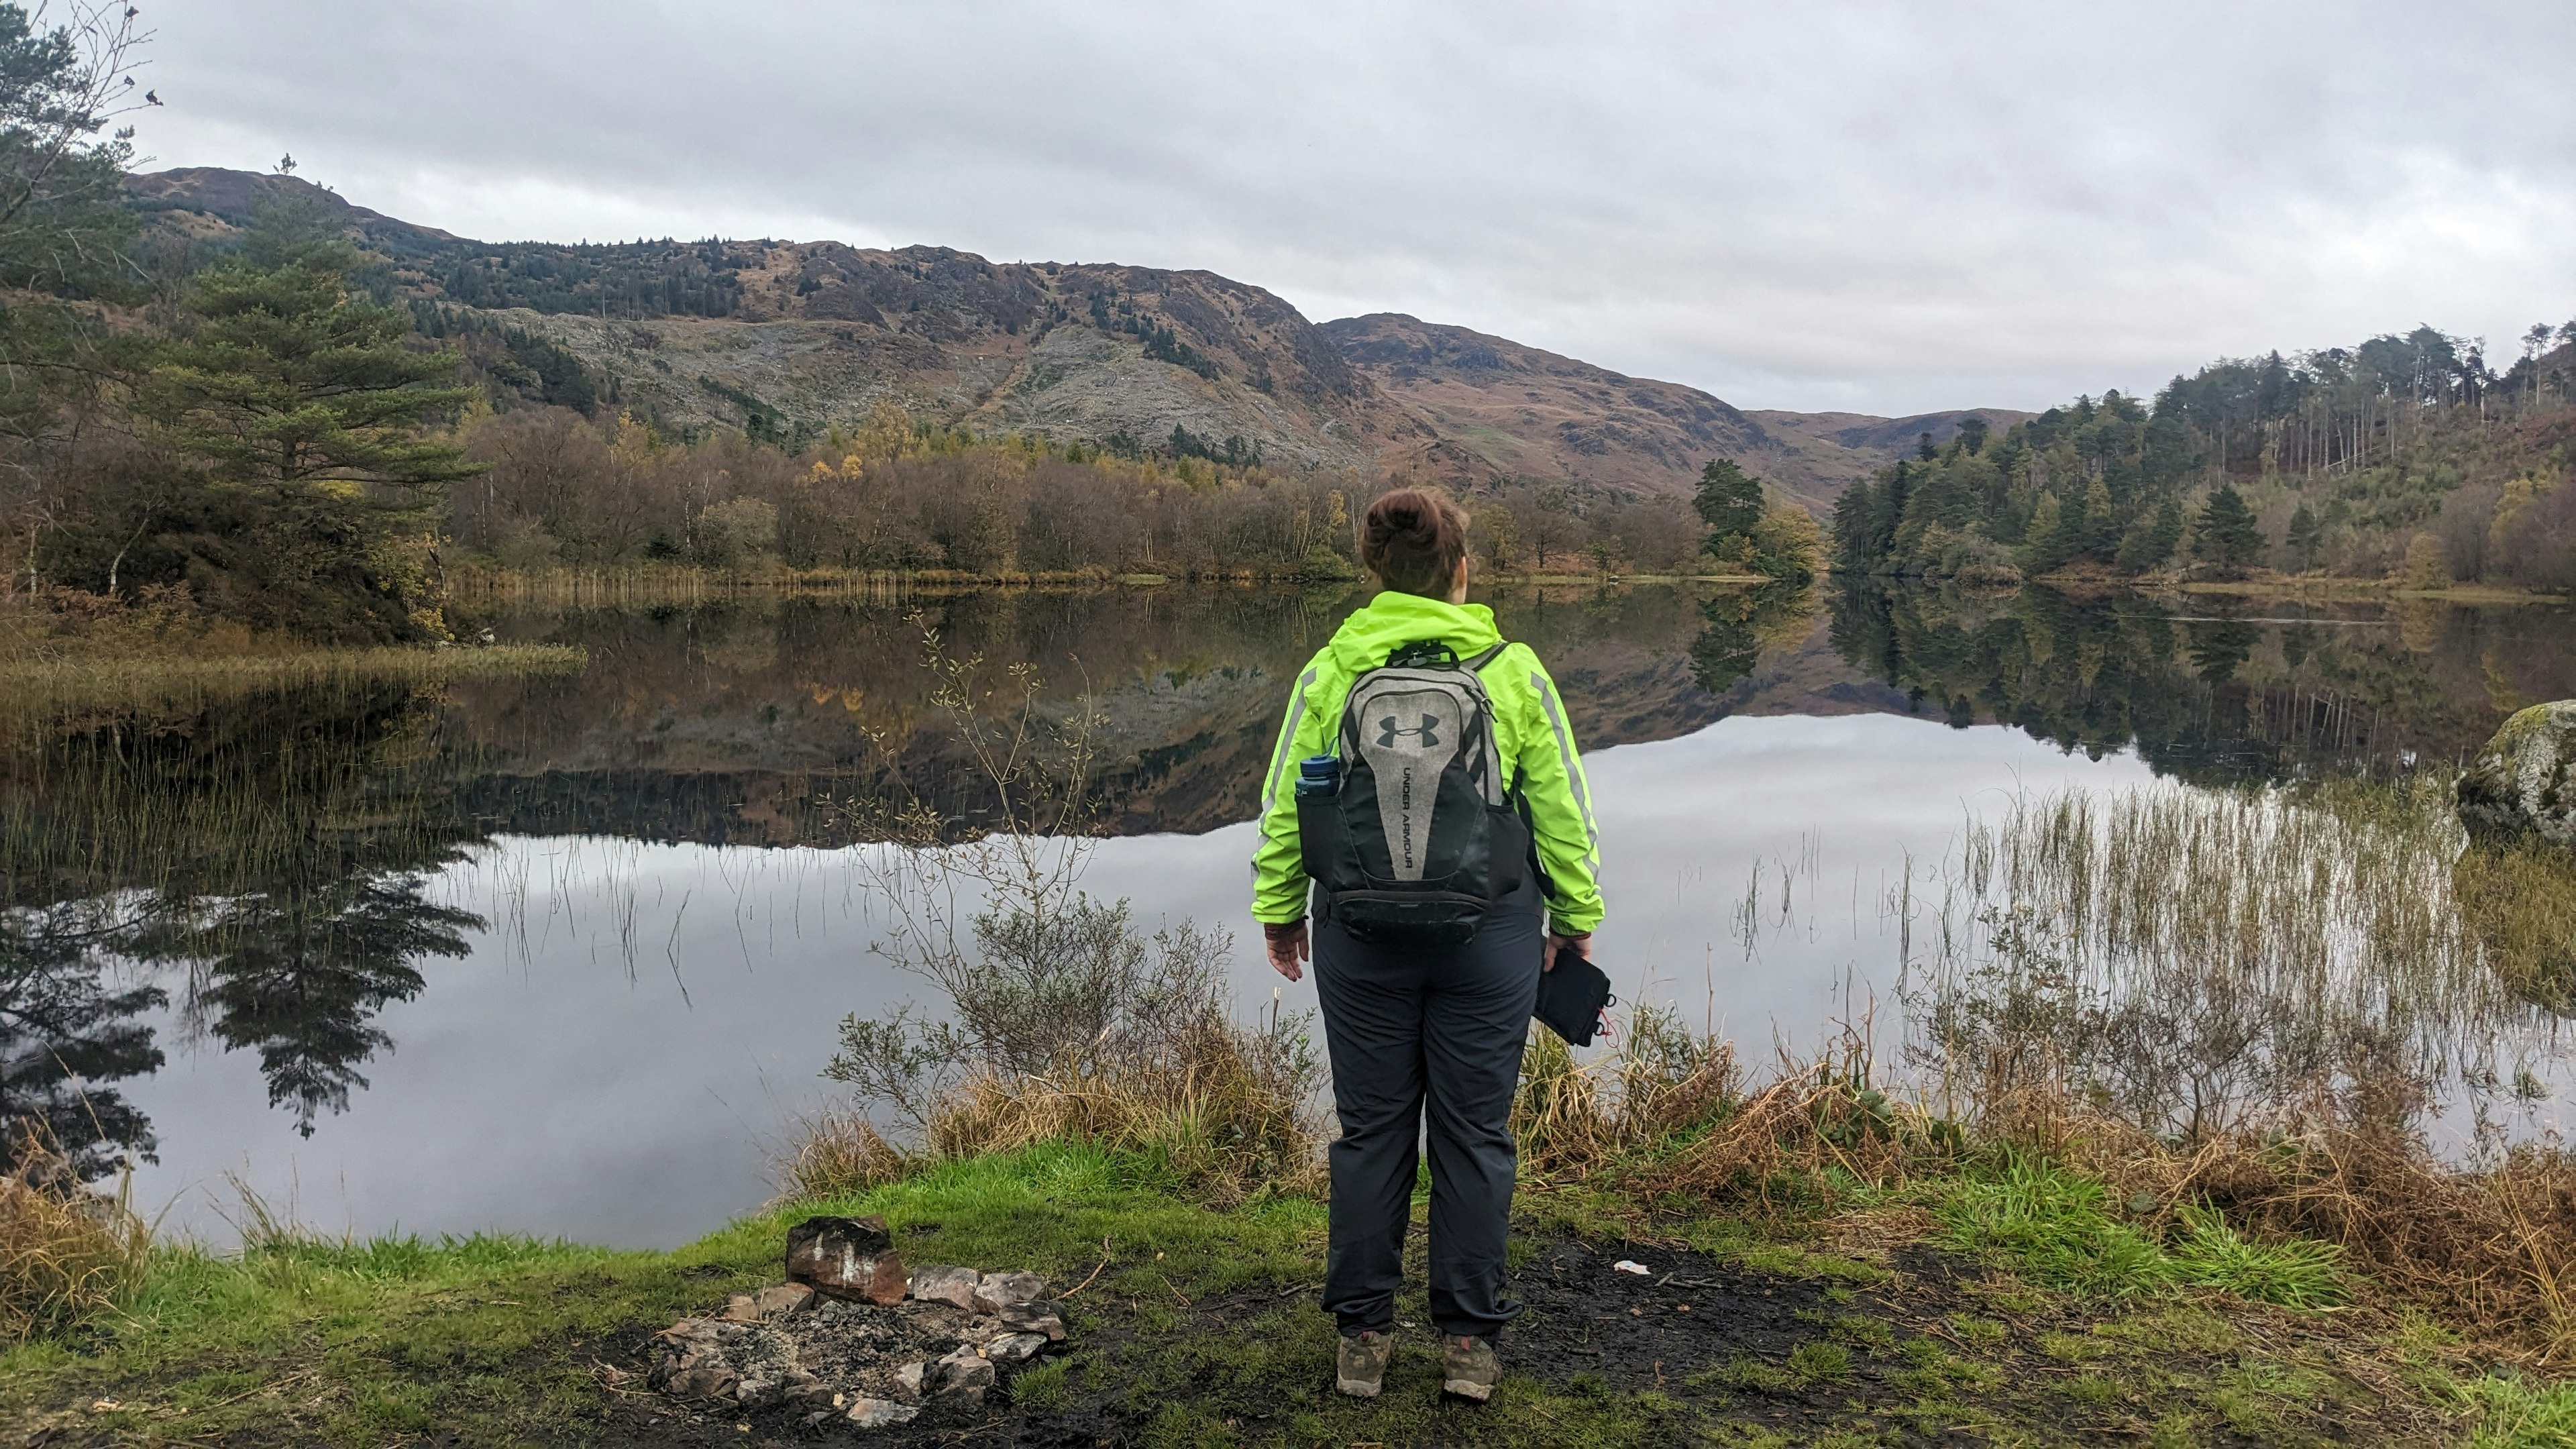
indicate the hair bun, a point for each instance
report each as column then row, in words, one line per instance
column 1413, row 539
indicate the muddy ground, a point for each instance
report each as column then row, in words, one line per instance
column 1926, row 1349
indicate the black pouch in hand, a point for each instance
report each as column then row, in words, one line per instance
column 1571, row 996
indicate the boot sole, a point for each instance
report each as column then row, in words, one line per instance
column 1469, row 1389
column 1358, row 1388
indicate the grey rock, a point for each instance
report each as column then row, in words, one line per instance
column 995, row 1292
column 938, row 1283
column 881, row 1413
column 907, row 1382
column 1018, row 1348
column 1040, row 1317
column 963, row 1370
column 782, row 1299
column 2524, row 782
column 706, row 1381
column 810, row 1394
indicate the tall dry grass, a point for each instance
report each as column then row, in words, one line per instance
column 66, row 1253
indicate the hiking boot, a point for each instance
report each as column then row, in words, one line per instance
column 1468, row 1368
column 1361, row 1371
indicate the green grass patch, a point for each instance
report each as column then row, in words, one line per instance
column 497, row 1339
column 2514, row 1415
column 2055, row 1226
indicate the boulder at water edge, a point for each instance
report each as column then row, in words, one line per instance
column 2524, row 781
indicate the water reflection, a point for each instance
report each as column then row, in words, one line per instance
column 2214, row 690
column 516, row 909
column 1739, row 624
column 296, row 969
column 68, row 1037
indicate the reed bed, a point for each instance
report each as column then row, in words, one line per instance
column 653, row 585
column 2198, row 960
column 649, row 585
column 42, row 692
column 2263, row 1003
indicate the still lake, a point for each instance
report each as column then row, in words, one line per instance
column 564, row 956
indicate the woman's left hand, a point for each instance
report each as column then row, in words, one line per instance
column 1579, row 945
column 1287, row 949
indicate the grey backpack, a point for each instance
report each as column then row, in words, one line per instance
column 1420, row 841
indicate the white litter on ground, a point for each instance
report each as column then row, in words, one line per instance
column 1626, row 1266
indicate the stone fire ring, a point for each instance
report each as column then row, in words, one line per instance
column 852, row 1335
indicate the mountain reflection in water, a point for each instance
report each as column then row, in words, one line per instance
column 393, row 907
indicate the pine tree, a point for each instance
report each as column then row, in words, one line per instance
column 2303, row 538
column 1729, row 498
column 310, row 414
column 1851, row 529
column 287, row 380
column 2225, row 536
column 2152, row 539
column 2101, row 524
column 2042, row 545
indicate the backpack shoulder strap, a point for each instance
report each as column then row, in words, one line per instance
column 1488, row 657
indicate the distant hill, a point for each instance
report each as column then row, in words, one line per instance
column 1836, row 440
column 792, row 338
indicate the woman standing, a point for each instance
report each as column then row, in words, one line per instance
column 1410, row 1026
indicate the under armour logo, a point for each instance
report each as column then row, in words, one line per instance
column 1430, row 732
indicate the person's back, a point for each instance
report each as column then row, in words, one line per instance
column 1426, row 1021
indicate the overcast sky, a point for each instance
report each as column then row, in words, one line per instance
column 1877, row 207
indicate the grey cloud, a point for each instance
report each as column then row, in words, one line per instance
column 1878, row 206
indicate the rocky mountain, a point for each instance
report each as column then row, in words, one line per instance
column 1505, row 410
column 789, row 339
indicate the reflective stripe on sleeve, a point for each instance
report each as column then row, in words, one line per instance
column 1573, row 768
column 1287, row 742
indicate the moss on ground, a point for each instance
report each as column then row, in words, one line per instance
column 1198, row 1328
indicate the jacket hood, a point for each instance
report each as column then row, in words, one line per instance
column 1392, row 619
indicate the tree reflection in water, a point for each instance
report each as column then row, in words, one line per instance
column 298, row 969
column 2217, row 691
column 66, row 1036
column 1738, row 624
column 274, row 855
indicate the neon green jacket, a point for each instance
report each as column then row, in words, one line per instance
column 1530, row 732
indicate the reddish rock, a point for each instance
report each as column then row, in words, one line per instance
column 851, row 1258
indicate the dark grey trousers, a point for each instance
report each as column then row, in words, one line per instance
column 1407, row 1028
